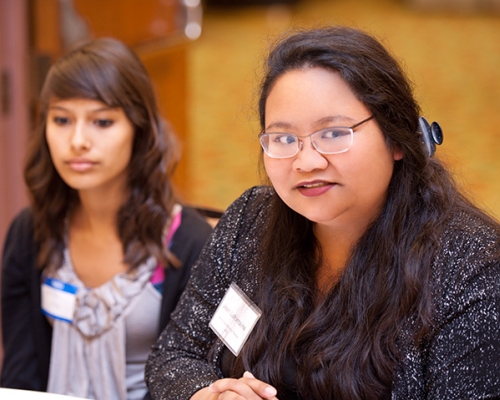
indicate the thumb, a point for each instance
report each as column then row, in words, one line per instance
column 248, row 374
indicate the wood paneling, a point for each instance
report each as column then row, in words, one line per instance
column 133, row 21
column 14, row 111
column 14, row 115
column 167, row 67
column 44, row 30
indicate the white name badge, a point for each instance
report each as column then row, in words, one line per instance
column 58, row 299
column 234, row 319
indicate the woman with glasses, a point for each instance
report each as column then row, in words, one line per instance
column 93, row 269
column 360, row 272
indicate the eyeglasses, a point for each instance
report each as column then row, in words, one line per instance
column 334, row 140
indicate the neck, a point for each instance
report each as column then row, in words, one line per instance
column 97, row 212
column 336, row 246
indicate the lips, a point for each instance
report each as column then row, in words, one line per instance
column 81, row 165
column 313, row 189
column 313, row 185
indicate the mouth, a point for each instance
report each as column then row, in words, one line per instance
column 314, row 185
column 80, row 165
column 313, row 189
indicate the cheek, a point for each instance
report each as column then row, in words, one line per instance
column 123, row 156
column 119, row 143
column 376, row 176
column 128, row 142
column 274, row 170
column 370, row 169
column 52, row 144
column 266, row 162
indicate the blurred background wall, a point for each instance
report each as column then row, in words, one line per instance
column 207, row 85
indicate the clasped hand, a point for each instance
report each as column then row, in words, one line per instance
column 245, row 388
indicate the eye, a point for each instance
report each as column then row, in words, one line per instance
column 284, row 138
column 334, row 133
column 61, row 120
column 103, row 123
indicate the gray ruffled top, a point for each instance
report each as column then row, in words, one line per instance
column 89, row 357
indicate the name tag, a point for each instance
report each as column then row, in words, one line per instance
column 234, row 319
column 58, row 299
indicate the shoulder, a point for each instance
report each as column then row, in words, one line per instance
column 236, row 241
column 467, row 267
column 245, row 216
column 190, row 236
column 23, row 220
column 194, row 224
column 21, row 231
column 19, row 256
column 249, row 207
column 471, row 236
column 256, row 196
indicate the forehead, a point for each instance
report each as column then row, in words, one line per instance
column 314, row 98
column 80, row 104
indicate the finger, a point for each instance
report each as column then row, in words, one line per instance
column 229, row 388
column 230, row 396
column 263, row 389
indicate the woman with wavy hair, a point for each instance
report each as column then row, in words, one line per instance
column 93, row 268
column 373, row 276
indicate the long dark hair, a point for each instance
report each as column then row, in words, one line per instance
column 345, row 345
column 106, row 70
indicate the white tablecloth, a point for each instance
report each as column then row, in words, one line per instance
column 16, row 394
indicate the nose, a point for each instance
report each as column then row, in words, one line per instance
column 79, row 138
column 308, row 158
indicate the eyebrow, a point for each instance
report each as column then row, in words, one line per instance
column 334, row 119
column 107, row 108
column 331, row 119
column 282, row 125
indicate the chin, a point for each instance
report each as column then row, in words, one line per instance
column 321, row 216
column 317, row 218
column 80, row 186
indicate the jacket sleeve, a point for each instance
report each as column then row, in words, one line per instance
column 181, row 361
column 464, row 352
column 21, row 313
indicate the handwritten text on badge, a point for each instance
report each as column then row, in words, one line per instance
column 235, row 318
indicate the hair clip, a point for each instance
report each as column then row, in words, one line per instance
column 432, row 134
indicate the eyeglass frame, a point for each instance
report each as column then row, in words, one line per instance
column 300, row 142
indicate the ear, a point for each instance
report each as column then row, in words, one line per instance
column 397, row 154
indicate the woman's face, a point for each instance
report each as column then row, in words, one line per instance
column 345, row 190
column 90, row 143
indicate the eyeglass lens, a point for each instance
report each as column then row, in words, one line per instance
column 326, row 141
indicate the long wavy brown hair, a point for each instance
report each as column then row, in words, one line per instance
column 106, row 70
column 345, row 345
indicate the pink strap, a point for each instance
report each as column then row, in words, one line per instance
column 159, row 273
column 176, row 222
